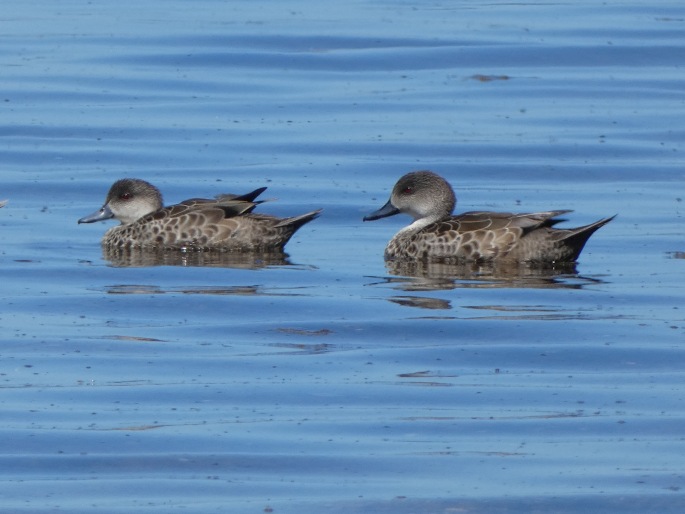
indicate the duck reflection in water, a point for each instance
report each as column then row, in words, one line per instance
column 145, row 257
column 427, row 276
column 414, row 277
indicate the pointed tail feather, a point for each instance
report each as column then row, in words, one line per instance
column 247, row 197
column 577, row 237
column 250, row 197
column 297, row 221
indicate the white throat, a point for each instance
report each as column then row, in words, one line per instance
column 416, row 225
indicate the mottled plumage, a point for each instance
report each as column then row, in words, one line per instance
column 437, row 234
column 225, row 223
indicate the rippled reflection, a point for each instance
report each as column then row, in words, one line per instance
column 137, row 258
column 145, row 289
column 422, row 302
column 435, row 276
column 246, row 290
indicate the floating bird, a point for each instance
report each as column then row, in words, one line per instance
column 436, row 234
column 225, row 223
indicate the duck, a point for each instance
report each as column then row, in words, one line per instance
column 225, row 223
column 436, row 234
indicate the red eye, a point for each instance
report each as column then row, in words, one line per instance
column 125, row 196
column 408, row 190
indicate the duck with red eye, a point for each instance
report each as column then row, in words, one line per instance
column 225, row 223
column 127, row 201
column 414, row 195
column 437, row 235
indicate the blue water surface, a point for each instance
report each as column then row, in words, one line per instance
column 332, row 382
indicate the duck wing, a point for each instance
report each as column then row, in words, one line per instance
column 484, row 220
column 477, row 235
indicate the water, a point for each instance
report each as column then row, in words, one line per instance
column 330, row 382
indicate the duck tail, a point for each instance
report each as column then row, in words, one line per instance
column 247, row 197
column 577, row 237
column 297, row 221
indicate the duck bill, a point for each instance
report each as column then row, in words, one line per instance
column 387, row 210
column 103, row 214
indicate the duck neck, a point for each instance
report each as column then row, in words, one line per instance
column 418, row 224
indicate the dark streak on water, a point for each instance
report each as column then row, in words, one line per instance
column 325, row 381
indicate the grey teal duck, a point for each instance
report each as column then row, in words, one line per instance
column 437, row 234
column 225, row 223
